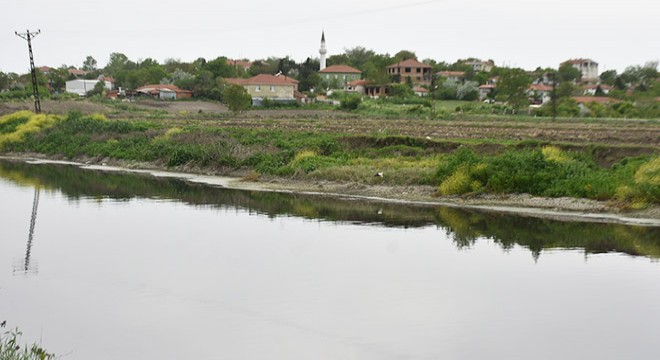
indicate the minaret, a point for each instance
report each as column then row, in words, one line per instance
column 322, row 51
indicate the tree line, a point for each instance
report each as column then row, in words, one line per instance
column 205, row 78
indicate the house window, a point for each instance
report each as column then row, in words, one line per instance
column 407, row 70
column 419, row 70
column 272, row 88
column 258, row 88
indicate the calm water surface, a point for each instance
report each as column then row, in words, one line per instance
column 133, row 267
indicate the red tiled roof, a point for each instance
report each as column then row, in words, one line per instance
column 341, row 69
column 409, row 63
column 451, row 73
column 236, row 81
column 419, row 89
column 596, row 99
column 45, row 69
column 242, row 63
column 487, row 87
column 358, row 83
column 540, row 87
column 157, row 87
column 77, row 72
column 263, row 79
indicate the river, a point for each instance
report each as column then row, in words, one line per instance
column 98, row 265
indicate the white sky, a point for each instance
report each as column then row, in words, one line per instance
column 522, row 33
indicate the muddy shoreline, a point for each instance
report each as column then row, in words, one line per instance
column 564, row 209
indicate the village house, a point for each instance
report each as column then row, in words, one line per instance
column 73, row 72
column 587, row 67
column 45, row 69
column 420, row 91
column 83, row 86
column 376, row 91
column 417, row 72
column 266, row 86
column 457, row 76
column 164, row 92
column 593, row 89
column 486, row 90
column 478, row 65
column 539, row 93
column 338, row 76
column 357, row 86
column 244, row 65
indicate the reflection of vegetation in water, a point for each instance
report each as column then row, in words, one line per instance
column 464, row 227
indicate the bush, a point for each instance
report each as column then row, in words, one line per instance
column 460, row 182
column 350, row 103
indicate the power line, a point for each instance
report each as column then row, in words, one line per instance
column 35, row 86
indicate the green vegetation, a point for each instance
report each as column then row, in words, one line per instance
column 518, row 167
column 551, row 172
column 237, row 98
column 11, row 348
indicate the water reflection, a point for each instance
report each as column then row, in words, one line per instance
column 465, row 227
column 27, row 267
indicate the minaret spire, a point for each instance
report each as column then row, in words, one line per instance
column 322, row 50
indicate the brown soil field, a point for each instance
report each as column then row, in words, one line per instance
column 610, row 139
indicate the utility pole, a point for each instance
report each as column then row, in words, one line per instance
column 35, row 87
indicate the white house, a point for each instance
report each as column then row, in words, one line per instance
column 587, row 67
column 592, row 89
column 540, row 93
column 82, row 86
column 478, row 65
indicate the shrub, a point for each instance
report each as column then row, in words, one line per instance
column 17, row 126
column 459, row 183
column 350, row 103
column 647, row 179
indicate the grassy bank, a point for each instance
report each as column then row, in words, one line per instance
column 474, row 167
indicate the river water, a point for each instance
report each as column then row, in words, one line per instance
column 121, row 266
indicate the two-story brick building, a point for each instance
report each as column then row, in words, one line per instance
column 419, row 73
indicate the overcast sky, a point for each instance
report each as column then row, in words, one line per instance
column 522, row 33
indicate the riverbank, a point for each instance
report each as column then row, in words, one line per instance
column 562, row 208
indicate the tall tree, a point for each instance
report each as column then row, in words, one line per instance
column 608, row 77
column 308, row 75
column 512, row 87
column 118, row 62
column 404, row 55
column 89, row 64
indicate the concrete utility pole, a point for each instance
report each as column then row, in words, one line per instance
column 35, row 87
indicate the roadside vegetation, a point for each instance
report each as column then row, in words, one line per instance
column 454, row 168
